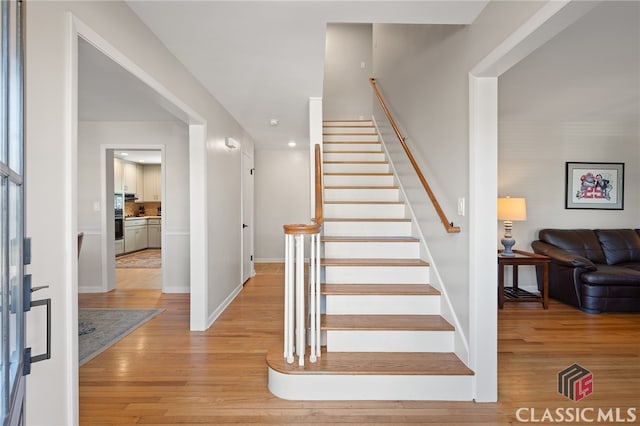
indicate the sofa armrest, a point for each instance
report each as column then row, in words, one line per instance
column 563, row 257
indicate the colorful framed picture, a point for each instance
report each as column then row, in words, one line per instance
column 595, row 186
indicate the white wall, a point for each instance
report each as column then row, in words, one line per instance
column 422, row 71
column 173, row 136
column 346, row 90
column 575, row 99
column 281, row 197
column 52, row 388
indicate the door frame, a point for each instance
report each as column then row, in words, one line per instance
column 247, row 162
column 197, row 189
column 106, row 186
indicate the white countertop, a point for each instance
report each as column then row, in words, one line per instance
column 142, row 217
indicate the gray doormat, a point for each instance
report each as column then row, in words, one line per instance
column 99, row 328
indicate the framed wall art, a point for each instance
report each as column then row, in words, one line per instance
column 595, row 186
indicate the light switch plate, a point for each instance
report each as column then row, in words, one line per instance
column 461, row 206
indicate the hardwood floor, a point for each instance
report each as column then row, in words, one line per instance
column 164, row 374
column 138, row 278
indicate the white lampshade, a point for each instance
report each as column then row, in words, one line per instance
column 512, row 209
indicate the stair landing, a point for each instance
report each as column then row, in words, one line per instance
column 383, row 376
column 377, row 363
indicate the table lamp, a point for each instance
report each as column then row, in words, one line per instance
column 510, row 209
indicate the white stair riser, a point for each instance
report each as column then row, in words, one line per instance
column 347, row 123
column 379, row 211
column 341, row 128
column 358, row 304
column 350, row 138
column 376, row 274
column 359, row 229
column 372, row 250
column 361, row 194
column 370, row 388
column 356, row 168
column 358, row 180
column 353, row 156
column 343, row 146
column 389, row 341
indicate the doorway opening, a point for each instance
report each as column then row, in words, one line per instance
column 138, row 218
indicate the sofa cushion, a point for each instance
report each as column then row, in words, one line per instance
column 612, row 275
column 582, row 242
column 631, row 265
column 619, row 245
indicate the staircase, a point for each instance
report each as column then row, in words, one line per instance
column 383, row 333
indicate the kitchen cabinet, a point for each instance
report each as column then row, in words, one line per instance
column 117, row 176
column 130, row 177
column 140, row 182
column 152, row 187
column 135, row 235
column 154, row 229
column 119, row 247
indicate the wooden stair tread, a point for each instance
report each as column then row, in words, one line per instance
column 364, row 202
column 350, row 134
column 365, row 219
column 339, row 239
column 361, row 187
column 373, row 363
column 355, row 162
column 353, row 152
column 379, row 289
column 385, row 323
column 347, row 126
column 357, row 174
column 350, row 142
column 363, row 120
column 373, row 262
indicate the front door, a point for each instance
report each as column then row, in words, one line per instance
column 12, row 317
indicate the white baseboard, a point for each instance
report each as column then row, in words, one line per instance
column 214, row 316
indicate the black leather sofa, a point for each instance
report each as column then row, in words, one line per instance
column 594, row 270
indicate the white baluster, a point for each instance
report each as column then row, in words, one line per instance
column 317, row 298
column 288, row 298
column 312, row 298
column 300, row 293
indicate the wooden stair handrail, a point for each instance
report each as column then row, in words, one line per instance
column 443, row 218
column 318, row 187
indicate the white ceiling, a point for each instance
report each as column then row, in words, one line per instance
column 264, row 59
column 140, row 156
column 107, row 92
column 588, row 72
column 260, row 59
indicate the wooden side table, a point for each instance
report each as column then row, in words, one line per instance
column 515, row 293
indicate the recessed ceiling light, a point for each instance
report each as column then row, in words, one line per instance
column 274, row 122
column 292, row 144
column 142, row 161
column 124, row 154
